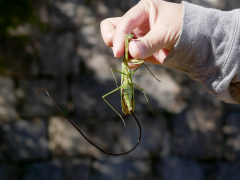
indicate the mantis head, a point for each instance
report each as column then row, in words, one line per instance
column 129, row 36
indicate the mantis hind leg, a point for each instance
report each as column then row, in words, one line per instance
column 151, row 72
column 147, row 69
column 146, row 99
column 110, row 104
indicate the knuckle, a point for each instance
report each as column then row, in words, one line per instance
column 148, row 46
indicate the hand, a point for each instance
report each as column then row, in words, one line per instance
column 156, row 26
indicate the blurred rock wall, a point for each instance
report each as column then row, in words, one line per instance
column 195, row 137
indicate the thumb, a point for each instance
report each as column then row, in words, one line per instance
column 147, row 45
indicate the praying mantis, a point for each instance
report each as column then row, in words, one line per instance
column 127, row 95
column 127, row 90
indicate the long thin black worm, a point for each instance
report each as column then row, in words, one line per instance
column 140, row 129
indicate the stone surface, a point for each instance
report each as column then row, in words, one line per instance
column 43, row 170
column 223, row 171
column 175, row 168
column 87, row 98
column 7, row 100
column 77, row 168
column 111, row 136
column 57, row 54
column 66, row 14
column 162, row 96
column 32, row 104
column 9, row 172
column 118, row 168
column 20, row 56
column 23, row 140
column 64, row 139
column 231, row 130
column 232, row 4
column 197, row 134
column 197, row 129
column 195, row 137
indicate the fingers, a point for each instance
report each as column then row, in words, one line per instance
column 145, row 46
column 155, row 24
column 114, row 29
column 131, row 20
column 164, row 31
column 108, row 28
column 156, row 58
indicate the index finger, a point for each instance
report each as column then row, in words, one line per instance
column 128, row 22
column 108, row 27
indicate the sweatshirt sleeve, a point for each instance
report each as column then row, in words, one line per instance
column 208, row 50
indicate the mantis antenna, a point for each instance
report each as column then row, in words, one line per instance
column 140, row 130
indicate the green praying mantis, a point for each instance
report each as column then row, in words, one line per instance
column 127, row 90
column 127, row 95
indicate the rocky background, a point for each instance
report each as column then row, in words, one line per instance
column 57, row 45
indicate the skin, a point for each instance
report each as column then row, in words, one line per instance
column 156, row 25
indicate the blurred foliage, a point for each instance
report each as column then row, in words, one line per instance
column 14, row 13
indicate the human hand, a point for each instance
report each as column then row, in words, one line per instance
column 156, row 26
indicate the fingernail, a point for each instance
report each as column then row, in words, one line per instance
column 139, row 47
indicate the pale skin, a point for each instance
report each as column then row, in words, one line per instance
column 156, row 26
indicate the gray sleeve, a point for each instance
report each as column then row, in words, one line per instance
column 208, row 50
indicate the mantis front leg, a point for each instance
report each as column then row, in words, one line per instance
column 135, row 61
column 110, row 104
column 114, row 76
